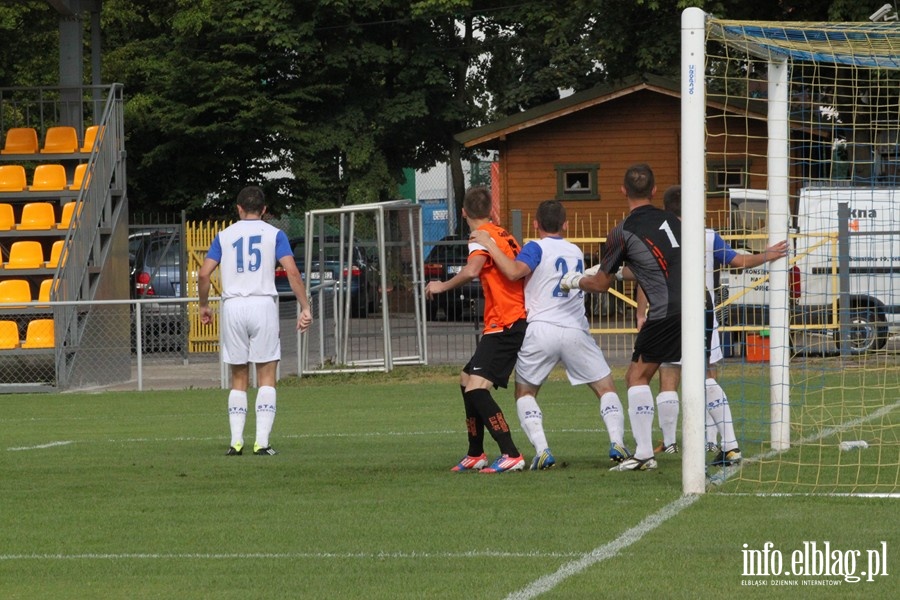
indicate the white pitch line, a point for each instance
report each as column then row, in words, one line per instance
column 294, row 436
column 729, row 472
column 610, row 550
column 604, row 552
column 289, row 555
column 41, row 446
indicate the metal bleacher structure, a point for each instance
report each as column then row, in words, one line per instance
column 78, row 236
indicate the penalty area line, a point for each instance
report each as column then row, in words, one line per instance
column 604, row 552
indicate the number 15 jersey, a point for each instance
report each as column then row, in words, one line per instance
column 247, row 252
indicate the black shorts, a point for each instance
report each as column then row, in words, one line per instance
column 495, row 355
column 660, row 341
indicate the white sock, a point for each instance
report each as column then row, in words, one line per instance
column 667, row 410
column 237, row 416
column 712, row 433
column 640, row 413
column 613, row 416
column 265, row 414
column 718, row 409
column 532, row 421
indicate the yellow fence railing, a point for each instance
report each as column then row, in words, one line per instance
column 198, row 238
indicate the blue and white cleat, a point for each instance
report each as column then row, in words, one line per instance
column 542, row 461
column 618, row 453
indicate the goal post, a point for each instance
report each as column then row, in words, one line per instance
column 805, row 117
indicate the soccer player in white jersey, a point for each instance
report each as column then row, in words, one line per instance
column 718, row 413
column 246, row 253
column 558, row 331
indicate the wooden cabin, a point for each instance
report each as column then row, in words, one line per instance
column 577, row 149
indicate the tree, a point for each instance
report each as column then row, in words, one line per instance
column 324, row 102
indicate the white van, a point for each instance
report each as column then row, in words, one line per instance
column 872, row 252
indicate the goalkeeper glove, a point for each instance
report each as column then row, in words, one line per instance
column 570, row 281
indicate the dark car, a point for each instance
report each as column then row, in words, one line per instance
column 327, row 267
column 445, row 260
column 155, row 258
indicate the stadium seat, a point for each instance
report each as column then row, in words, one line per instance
column 68, row 211
column 21, row 140
column 12, row 178
column 25, row 254
column 7, row 218
column 9, row 335
column 39, row 334
column 62, row 139
column 78, row 177
column 14, row 290
column 57, row 254
column 37, row 215
column 44, row 291
column 91, row 136
column 48, row 178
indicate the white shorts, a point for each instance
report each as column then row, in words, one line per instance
column 546, row 345
column 250, row 330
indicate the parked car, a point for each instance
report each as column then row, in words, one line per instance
column 364, row 275
column 445, row 260
column 156, row 272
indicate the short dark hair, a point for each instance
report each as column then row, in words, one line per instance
column 639, row 181
column 252, row 199
column 551, row 215
column 478, row 202
column 672, row 199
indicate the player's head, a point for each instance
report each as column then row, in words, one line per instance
column 672, row 199
column 639, row 182
column 551, row 216
column 477, row 202
column 252, row 200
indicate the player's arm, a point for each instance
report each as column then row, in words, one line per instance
column 470, row 271
column 512, row 269
column 287, row 262
column 204, row 277
column 773, row 252
column 643, row 305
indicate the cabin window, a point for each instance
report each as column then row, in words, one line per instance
column 721, row 177
column 577, row 182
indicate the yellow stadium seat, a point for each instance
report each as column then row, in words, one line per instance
column 48, row 178
column 39, row 334
column 78, row 178
column 9, row 335
column 68, row 211
column 7, row 218
column 14, row 290
column 57, row 254
column 12, row 178
column 62, row 139
column 92, row 135
column 21, row 140
column 44, row 291
column 37, row 215
column 25, row 254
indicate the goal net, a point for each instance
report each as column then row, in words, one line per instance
column 792, row 130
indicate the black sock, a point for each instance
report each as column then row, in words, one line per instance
column 492, row 417
column 474, row 426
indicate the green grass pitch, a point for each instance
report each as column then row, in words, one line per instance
column 129, row 495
